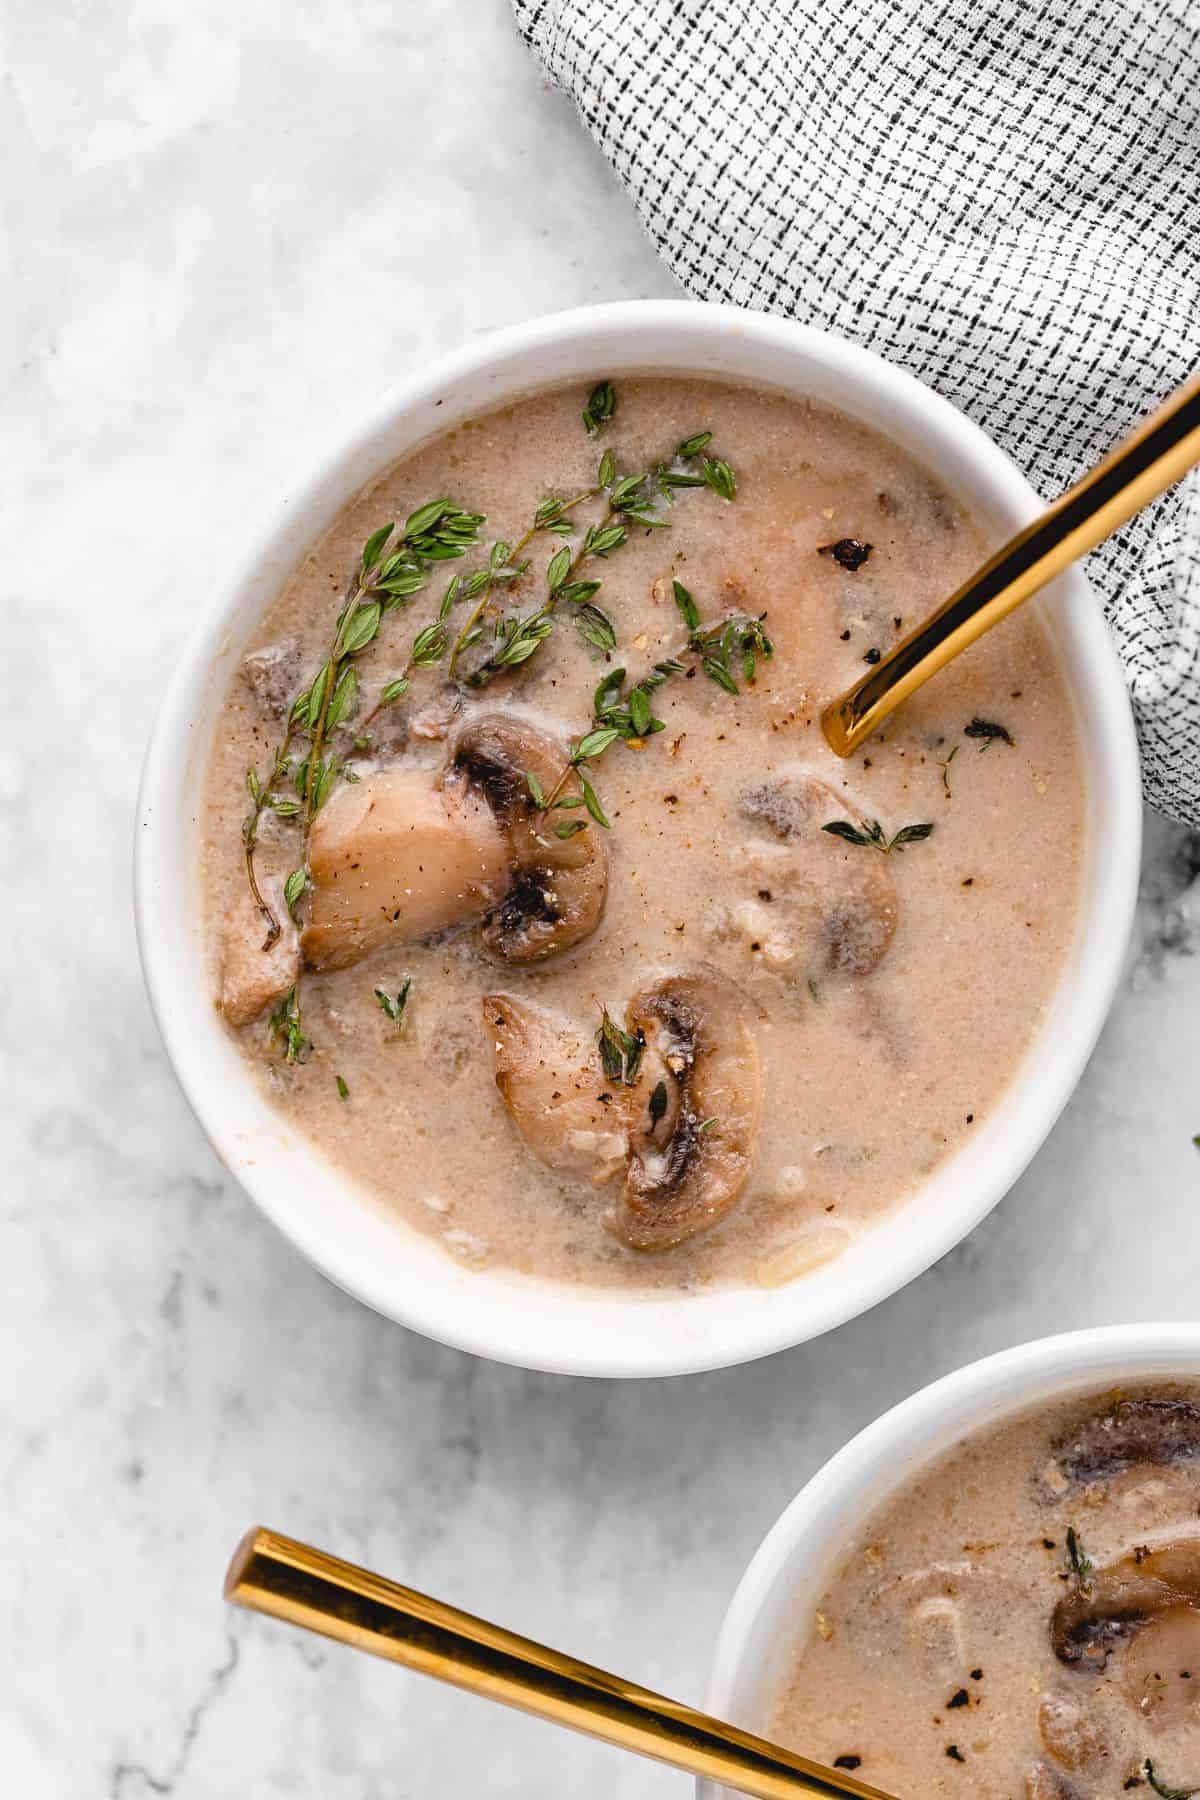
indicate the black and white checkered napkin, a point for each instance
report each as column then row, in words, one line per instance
column 1001, row 195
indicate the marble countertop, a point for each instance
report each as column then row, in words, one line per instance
column 229, row 226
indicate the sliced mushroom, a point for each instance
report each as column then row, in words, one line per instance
column 1155, row 1432
column 395, row 857
column 1069, row 1732
column 549, row 1078
column 697, row 1031
column 1160, row 1670
column 1114, row 1604
column 556, row 887
column 832, row 905
column 254, row 977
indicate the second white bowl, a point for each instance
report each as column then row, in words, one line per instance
column 797, row 1559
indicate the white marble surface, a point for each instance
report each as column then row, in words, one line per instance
column 228, row 225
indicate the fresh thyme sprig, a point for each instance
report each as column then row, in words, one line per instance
column 738, row 636
column 617, row 715
column 874, row 837
column 391, row 570
column 264, row 797
column 633, row 498
column 437, row 532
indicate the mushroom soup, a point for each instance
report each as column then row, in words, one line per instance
column 1024, row 1620
column 553, row 922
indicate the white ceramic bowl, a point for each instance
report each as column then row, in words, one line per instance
column 795, row 1561
column 386, row 1263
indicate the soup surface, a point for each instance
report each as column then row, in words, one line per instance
column 533, row 921
column 1025, row 1619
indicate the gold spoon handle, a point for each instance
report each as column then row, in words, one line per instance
column 292, row 1581
column 1159, row 453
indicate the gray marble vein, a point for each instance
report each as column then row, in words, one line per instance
column 227, row 226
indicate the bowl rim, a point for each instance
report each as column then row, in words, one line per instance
column 583, row 1331
column 886, row 1454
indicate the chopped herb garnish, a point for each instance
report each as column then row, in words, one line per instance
column 342, row 1089
column 620, row 1051
column 848, row 553
column 394, row 1007
column 738, row 640
column 1162, row 1790
column 873, row 836
column 944, row 766
column 293, row 889
column 987, row 731
column 658, row 1103
column 960, row 1697
column 601, row 405
column 720, row 477
column 285, row 1026
column 954, row 1753
column 847, row 1762
column 1078, row 1563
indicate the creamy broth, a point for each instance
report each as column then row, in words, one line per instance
column 1025, row 1619
column 842, row 1018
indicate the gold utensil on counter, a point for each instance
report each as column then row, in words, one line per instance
column 1158, row 454
column 292, row 1581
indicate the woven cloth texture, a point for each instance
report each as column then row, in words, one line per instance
column 1004, row 198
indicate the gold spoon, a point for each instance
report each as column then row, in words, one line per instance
column 1159, row 453
column 292, row 1581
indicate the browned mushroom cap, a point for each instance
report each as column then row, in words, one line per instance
column 550, row 1080
column 691, row 1171
column 1155, row 1432
column 1115, row 1603
column 557, row 886
column 845, row 891
column 395, row 858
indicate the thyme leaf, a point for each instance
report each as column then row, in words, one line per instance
column 872, row 835
column 394, row 1006
column 620, row 1050
column 601, row 405
column 294, row 888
